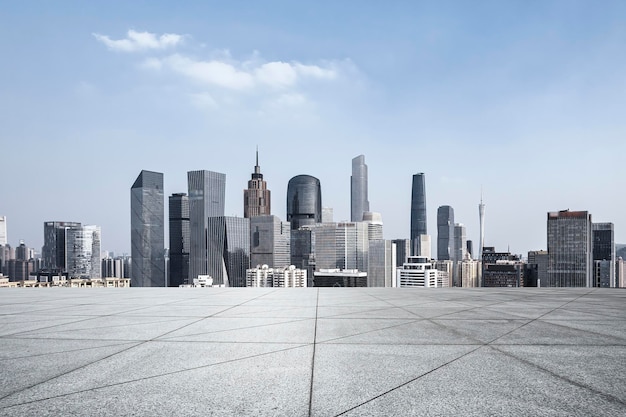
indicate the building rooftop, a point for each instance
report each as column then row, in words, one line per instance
column 312, row 352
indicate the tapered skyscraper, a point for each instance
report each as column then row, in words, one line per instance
column 256, row 199
column 418, row 211
column 358, row 189
column 207, row 192
column 304, row 201
column 147, row 230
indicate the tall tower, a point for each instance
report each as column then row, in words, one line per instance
column 481, row 218
column 418, row 211
column 256, row 199
column 179, row 240
column 207, row 193
column 83, row 252
column 445, row 233
column 358, row 189
column 3, row 230
column 228, row 250
column 147, row 218
column 304, row 201
column 54, row 247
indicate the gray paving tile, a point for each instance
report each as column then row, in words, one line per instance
column 489, row 383
column 273, row 384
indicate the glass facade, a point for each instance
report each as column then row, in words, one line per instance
column 147, row 223
column 445, row 233
column 418, row 211
column 269, row 242
column 207, row 191
column 179, row 240
column 359, row 203
column 54, row 247
column 304, row 201
column 569, row 249
column 83, row 252
column 228, row 250
column 604, row 255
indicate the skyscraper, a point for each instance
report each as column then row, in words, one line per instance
column 207, row 193
column 418, row 211
column 147, row 227
column 228, row 250
column 603, row 255
column 179, row 240
column 304, row 201
column 256, row 199
column 54, row 246
column 358, row 189
column 569, row 249
column 3, row 230
column 269, row 242
column 460, row 248
column 381, row 263
column 83, row 252
column 445, row 233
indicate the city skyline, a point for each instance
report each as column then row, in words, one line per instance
column 483, row 85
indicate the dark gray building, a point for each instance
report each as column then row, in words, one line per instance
column 179, row 240
column 359, row 203
column 569, row 249
column 418, row 211
column 304, row 201
column 53, row 252
column 445, row 233
column 228, row 250
column 269, row 242
column 403, row 249
column 207, row 194
column 603, row 236
column 303, row 251
column 147, row 227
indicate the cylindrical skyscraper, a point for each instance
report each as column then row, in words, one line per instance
column 418, row 211
column 358, row 189
column 304, row 201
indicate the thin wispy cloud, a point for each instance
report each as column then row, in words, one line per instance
column 242, row 75
column 140, row 41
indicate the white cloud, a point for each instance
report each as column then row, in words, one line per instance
column 241, row 75
column 140, row 41
column 217, row 73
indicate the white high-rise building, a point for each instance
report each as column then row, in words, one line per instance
column 285, row 277
column 418, row 272
column 381, row 264
column 3, row 230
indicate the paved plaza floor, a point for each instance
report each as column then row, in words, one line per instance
column 312, row 352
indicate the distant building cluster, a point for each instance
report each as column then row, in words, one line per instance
column 307, row 249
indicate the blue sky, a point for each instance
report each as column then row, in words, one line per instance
column 526, row 99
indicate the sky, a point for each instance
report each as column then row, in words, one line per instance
column 522, row 101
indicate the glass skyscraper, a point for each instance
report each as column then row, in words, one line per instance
column 83, row 252
column 147, row 224
column 569, row 249
column 418, row 211
column 179, row 240
column 207, row 191
column 269, row 242
column 228, row 250
column 54, row 247
column 358, row 189
column 445, row 233
column 304, row 201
